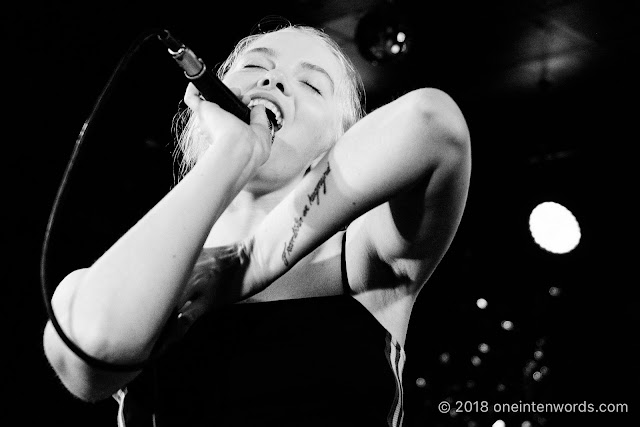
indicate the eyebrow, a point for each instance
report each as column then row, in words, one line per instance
column 306, row 65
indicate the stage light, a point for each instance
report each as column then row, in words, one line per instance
column 554, row 291
column 498, row 423
column 444, row 358
column 483, row 347
column 482, row 303
column 383, row 34
column 554, row 228
column 476, row 361
column 529, row 368
column 507, row 325
column 421, row 382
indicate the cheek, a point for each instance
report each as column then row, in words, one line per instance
column 325, row 123
column 235, row 80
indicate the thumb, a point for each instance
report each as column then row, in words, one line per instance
column 259, row 118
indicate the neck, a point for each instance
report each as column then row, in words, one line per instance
column 244, row 214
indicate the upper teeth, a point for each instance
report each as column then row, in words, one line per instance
column 271, row 106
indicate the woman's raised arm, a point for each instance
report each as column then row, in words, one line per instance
column 116, row 309
column 418, row 140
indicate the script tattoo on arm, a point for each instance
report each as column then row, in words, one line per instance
column 314, row 196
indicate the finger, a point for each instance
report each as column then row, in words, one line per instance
column 191, row 312
column 189, row 291
column 192, row 97
column 246, row 99
column 185, row 318
column 260, row 122
column 183, row 308
column 195, row 310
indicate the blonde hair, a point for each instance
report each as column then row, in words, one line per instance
column 191, row 142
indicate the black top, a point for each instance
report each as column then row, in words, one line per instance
column 322, row 361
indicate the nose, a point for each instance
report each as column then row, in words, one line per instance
column 274, row 79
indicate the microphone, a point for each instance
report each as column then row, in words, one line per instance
column 209, row 85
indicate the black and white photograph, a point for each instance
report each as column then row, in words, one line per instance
column 356, row 213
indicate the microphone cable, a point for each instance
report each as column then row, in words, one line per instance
column 47, row 291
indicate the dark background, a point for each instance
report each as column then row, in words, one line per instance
column 549, row 90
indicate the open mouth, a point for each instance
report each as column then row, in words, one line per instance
column 273, row 112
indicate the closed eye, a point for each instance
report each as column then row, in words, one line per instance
column 254, row 66
column 312, row 87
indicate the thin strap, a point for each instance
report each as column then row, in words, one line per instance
column 345, row 279
column 396, row 358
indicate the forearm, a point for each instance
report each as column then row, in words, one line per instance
column 387, row 152
column 120, row 304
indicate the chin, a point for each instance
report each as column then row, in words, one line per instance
column 270, row 178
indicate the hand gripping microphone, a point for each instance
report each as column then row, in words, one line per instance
column 209, row 85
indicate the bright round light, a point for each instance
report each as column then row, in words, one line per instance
column 395, row 48
column 401, row 37
column 554, row 228
column 483, row 347
column 481, row 303
column 498, row 423
column 554, row 291
column 507, row 325
column 421, row 382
